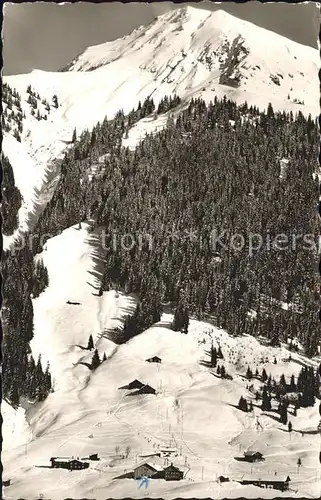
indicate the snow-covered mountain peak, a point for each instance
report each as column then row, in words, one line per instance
column 192, row 50
column 184, row 29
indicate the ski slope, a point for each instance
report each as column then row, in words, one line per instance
column 193, row 410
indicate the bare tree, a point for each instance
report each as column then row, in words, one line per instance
column 117, row 450
column 127, row 451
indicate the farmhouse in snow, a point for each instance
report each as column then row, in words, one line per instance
column 146, row 389
column 253, row 456
column 135, row 384
column 167, row 452
column 154, row 359
column 93, row 457
column 170, row 473
column 148, row 469
column 273, row 482
column 153, row 471
column 68, row 463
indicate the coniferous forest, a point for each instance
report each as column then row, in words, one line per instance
column 11, row 199
column 215, row 169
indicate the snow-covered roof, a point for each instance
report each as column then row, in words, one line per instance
column 265, row 477
column 249, row 453
column 150, row 464
column 69, row 459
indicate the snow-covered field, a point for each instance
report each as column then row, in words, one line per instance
column 193, row 410
column 183, row 52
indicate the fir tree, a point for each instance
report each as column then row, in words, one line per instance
column 95, row 362
column 181, row 319
column 243, row 404
column 213, row 357
column 90, row 344
column 266, row 400
column 283, row 413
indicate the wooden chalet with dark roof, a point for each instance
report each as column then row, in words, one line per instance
column 135, row 384
column 273, row 482
column 253, row 456
column 170, row 473
column 68, row 463
column 154, row 359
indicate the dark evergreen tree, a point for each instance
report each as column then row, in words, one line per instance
column 90, row 344
column 213, row 357
column 11, row 199
column 243, row 404
column 266, row 400
column 283, row 413
column 181, row 319
column 95, row 362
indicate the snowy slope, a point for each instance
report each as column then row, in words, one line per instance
column 193, row 52
column 193, row 410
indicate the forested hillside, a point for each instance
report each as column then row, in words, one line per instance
column 10, row 199
column 216, row 169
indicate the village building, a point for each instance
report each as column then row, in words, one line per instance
column 168, row 452
column 172, row 473
column 147, row 389
column 135, row 384
column 153, row 470
column 93, row 457
column 154, row 359
column 153, row 454
column 223, row 479
column 67, row 463
column 253, row 456
column 147, row 469
column 274, row 482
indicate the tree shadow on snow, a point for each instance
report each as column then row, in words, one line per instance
column 273, row 417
